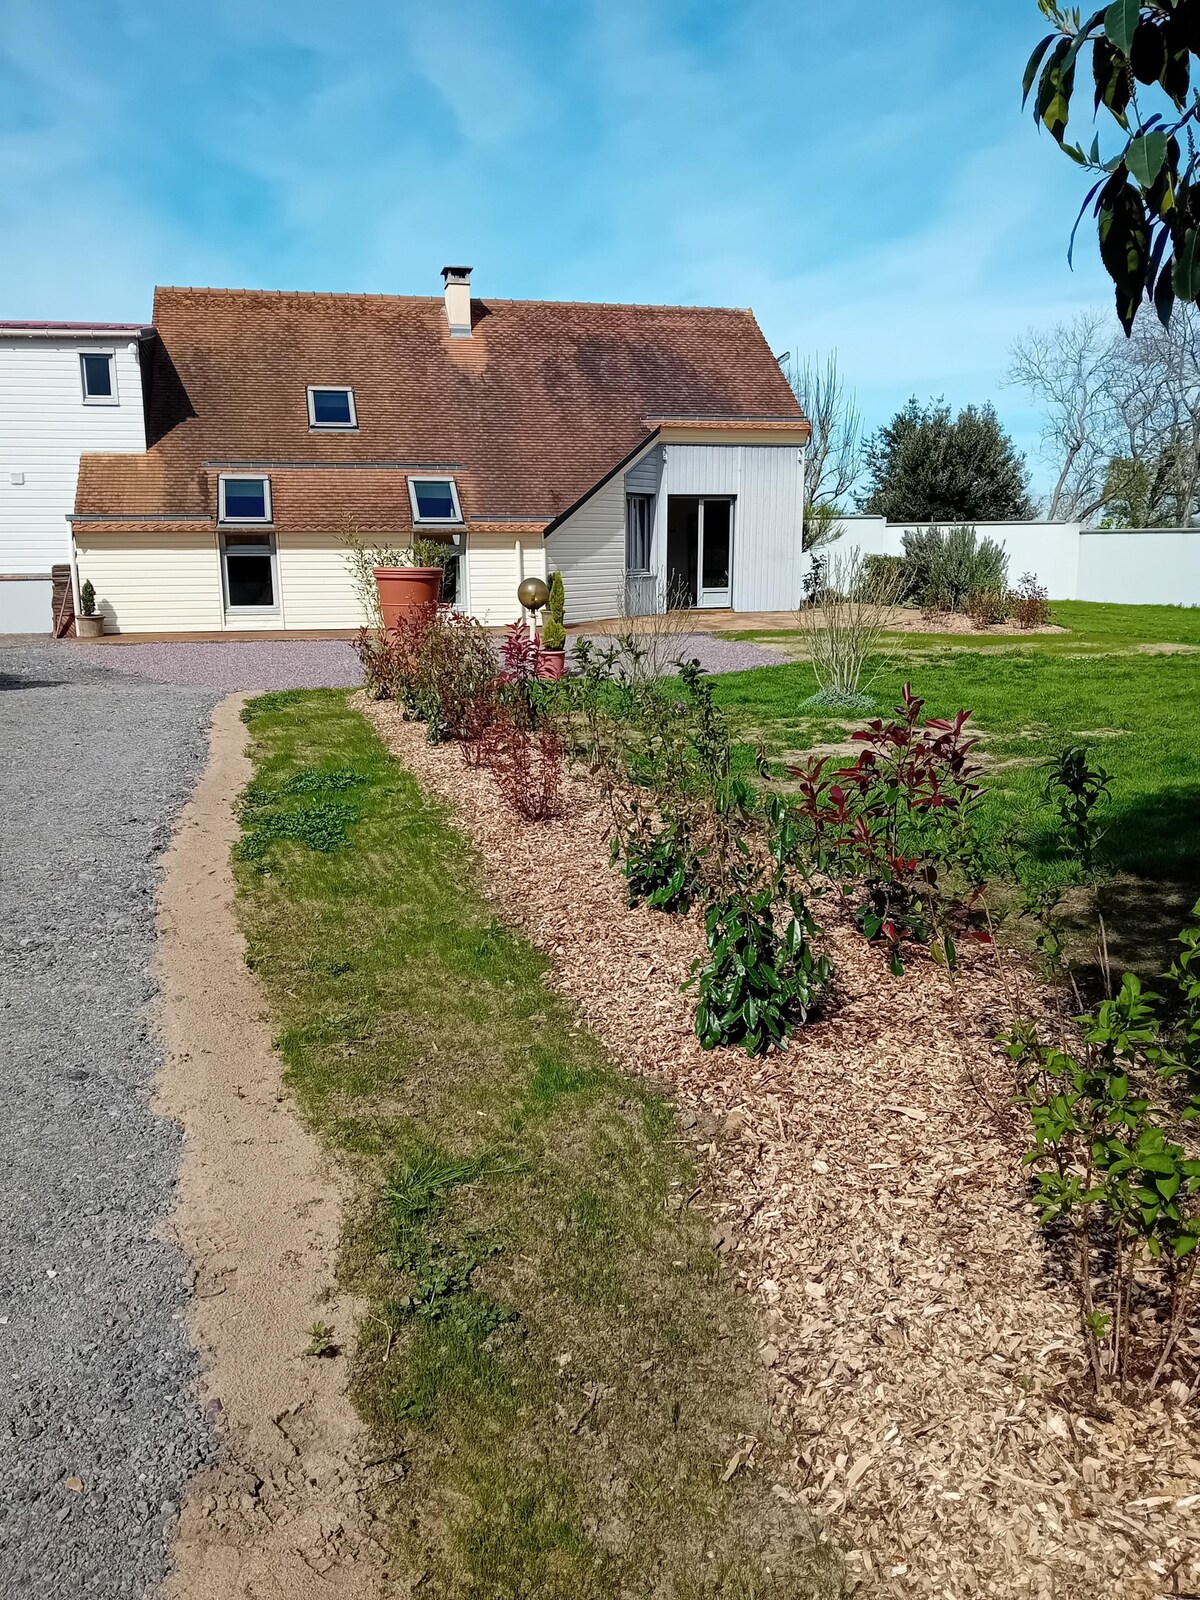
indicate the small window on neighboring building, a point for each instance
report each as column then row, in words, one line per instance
column 639, row 531
column 245, row 500
column 434, row 500
column 98, row 371
column 249, row 560
column 331, row 408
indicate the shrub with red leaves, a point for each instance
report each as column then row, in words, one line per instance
column 459, row 668
column 526, row 765
column 893, row 829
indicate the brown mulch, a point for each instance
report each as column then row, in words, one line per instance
column 923, row 1346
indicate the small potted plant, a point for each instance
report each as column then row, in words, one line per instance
column 409, row 579
column 552, row 654
column 90, row 623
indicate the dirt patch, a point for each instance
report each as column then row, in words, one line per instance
column 283, row 1514
column 923, row 1350
column 1167, row 649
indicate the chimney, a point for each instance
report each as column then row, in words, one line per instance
column 458, row 300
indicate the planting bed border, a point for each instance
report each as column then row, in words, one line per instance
column 922, row 1345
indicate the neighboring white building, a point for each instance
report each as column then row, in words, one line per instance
column 65, row 388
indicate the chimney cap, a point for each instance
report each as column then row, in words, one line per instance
column 456, row 274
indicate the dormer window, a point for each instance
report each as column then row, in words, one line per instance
column 98, row 374
column 245, row 499
column 331, row 408
column 434, row 500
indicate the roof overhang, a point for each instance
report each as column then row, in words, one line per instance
column 74, row 330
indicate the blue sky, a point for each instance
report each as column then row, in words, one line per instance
column 862, row 176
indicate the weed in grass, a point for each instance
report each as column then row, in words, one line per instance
column 321, row 1342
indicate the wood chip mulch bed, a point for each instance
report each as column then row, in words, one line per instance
column 922, row 1345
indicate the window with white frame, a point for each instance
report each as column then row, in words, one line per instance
column 251, row 581
column 245, row 499
column 331, row 407
column 639, row 531
column 98, row 375
column 434, row 500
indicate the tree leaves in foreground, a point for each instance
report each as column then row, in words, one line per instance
column 1145, row 199
column 928, row 466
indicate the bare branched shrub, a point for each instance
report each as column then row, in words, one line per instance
column 655, row 629
column 844, row 628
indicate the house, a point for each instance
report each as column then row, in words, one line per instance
column 640, row 450
column 64, row 388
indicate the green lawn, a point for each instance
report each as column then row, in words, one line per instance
column 1137, row 709
column 554, row 1362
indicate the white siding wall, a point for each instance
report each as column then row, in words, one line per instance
column 154, row 582
column 589, row 550
column 767, row 482
column 496, row 565
column 44, row 427
column 315, row 586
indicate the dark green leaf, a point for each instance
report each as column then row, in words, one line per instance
column 1120, row 23
column 1035, row 62
column 1145, row 156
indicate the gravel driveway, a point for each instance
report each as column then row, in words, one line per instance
column 98, row 1427
column 231, row 664
column 99, row 1432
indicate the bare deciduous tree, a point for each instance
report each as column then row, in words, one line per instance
column 834, row 458
column 1117, row 414
column 1071, row 371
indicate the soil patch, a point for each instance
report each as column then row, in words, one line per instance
column 923, row 1349
column 283, row 1513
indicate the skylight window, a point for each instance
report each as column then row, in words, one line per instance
column 434, row 500
column 97, row 370
column 245, row 500
column 331, row 408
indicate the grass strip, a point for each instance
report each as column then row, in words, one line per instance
column 553, row 1356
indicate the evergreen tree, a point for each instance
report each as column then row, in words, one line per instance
column 927, row 466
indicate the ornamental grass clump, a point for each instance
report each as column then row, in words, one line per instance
column 843, row 628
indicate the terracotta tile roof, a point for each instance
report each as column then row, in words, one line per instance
column 529, row 413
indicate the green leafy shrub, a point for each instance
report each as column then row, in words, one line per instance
column 87, row 598
column 1077, row 790
column 944, row 567
column 1110, row 1172
column 887, row 574
column 554, row 634
column 758, row 982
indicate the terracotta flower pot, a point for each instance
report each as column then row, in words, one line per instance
column 89, row 627
column 551, row 663
column 403, row 590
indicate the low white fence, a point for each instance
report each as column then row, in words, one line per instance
column 1126, row 566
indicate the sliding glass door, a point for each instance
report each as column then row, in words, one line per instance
column 699, row 551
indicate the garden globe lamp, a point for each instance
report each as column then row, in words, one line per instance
column 533, row 593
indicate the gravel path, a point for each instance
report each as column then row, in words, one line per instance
column 99, row 1429
column 227, row 665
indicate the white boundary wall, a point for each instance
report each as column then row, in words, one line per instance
column 1122, row 566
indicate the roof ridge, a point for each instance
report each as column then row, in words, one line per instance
column 436, row 299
